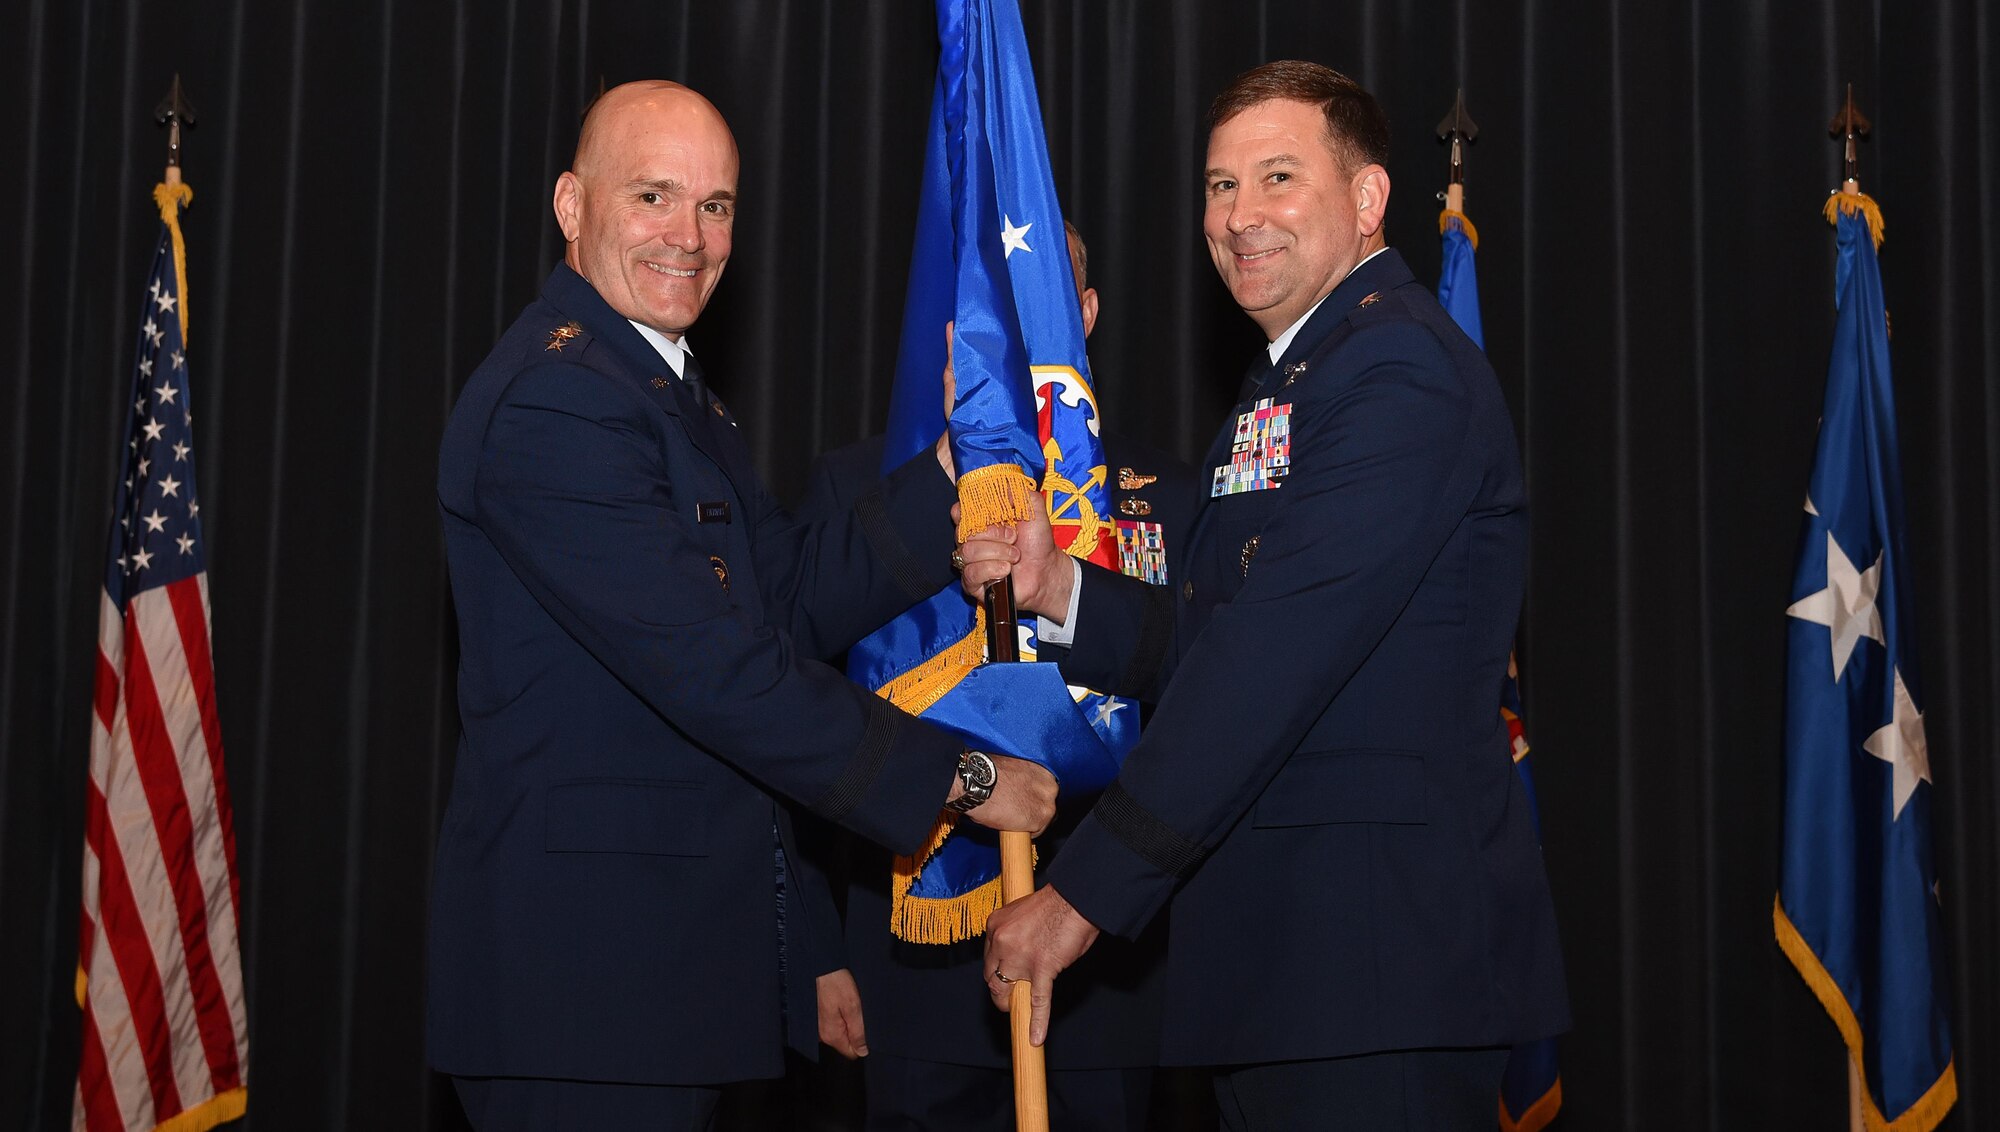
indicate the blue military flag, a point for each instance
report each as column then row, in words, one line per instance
column 1531, row 1089
column 991, row 258
column 1857, row 904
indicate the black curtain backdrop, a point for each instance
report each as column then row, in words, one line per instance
column 371, row 207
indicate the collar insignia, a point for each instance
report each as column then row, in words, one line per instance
column 561, row 336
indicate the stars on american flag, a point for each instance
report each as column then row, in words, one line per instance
column 157, row 538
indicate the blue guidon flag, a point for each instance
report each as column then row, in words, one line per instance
column 1857, row 904
column 1531, row 1089
column 991, row 259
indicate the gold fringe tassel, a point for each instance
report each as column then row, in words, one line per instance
column 218, row 1109
column 997, row 493
column 1929, row 1109
column 171, row 199
column 1855, row 202
column 919, row 688
column 1448, row 215
column 935, row 919
column 1538, row 1115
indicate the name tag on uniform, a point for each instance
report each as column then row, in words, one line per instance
column 1142, row 551
column 712, row 512
column 1261, row 454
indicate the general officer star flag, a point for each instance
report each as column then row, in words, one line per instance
column 991, row 259
column 1857, row 904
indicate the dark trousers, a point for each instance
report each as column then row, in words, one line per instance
column 907, row 1095
column 533, row 1104
column 1424, row 1090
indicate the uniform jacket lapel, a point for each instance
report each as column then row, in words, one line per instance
column 640, row 364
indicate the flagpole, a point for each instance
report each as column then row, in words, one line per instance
column 1457, row 128
column 1847, row 126
column 1017, row 880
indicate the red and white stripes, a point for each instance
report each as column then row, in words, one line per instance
column 161, row 978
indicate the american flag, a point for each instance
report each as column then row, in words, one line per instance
column 160, row 976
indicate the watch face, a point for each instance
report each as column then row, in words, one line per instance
column 980, row 769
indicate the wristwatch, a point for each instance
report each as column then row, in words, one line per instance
column 976, row 773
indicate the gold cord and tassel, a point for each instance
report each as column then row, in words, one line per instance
column 1853, row 202
column 171, row 199
column 1448, row 215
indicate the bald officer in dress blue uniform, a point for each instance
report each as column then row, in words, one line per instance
column 938, row 1056
column 1361, row 923
column 614, row 929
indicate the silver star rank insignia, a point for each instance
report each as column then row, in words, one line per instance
column 561, row 335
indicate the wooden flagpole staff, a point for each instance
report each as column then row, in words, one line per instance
column 1017, row 880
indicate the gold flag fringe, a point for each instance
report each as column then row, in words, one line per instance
column 228, row 1105
column 937, row 919
column 989, row 496
column 995, row 494
column 1855, row 202
column 918, row 689
column 171, row 199
column 1928, row 1110
column 1448, row 215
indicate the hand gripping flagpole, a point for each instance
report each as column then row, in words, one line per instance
column 1017, row 880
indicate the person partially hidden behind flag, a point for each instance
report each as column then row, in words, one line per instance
column 614, row 929
column 938, row 1056
column 1360, row 924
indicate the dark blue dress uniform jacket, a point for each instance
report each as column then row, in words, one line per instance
column 929, row 1002
column 1324, row 790
column 637, row 623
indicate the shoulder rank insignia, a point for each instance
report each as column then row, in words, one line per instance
column 561, row 336
column 1370, row 299
column 1134, row 507
column 1129, row 480
column 721, row 569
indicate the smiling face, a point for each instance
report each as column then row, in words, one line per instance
column 1284, row 221
column 649, row 208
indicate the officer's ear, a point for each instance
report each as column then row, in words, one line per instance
column 1371, row 198
column 568, row 204
column 1087, row 306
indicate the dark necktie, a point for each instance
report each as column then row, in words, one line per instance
column 691, row 376
column 1255, row 377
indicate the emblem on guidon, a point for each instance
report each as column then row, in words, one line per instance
column 1077, row 526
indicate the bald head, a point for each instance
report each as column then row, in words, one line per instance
column 648, row 205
